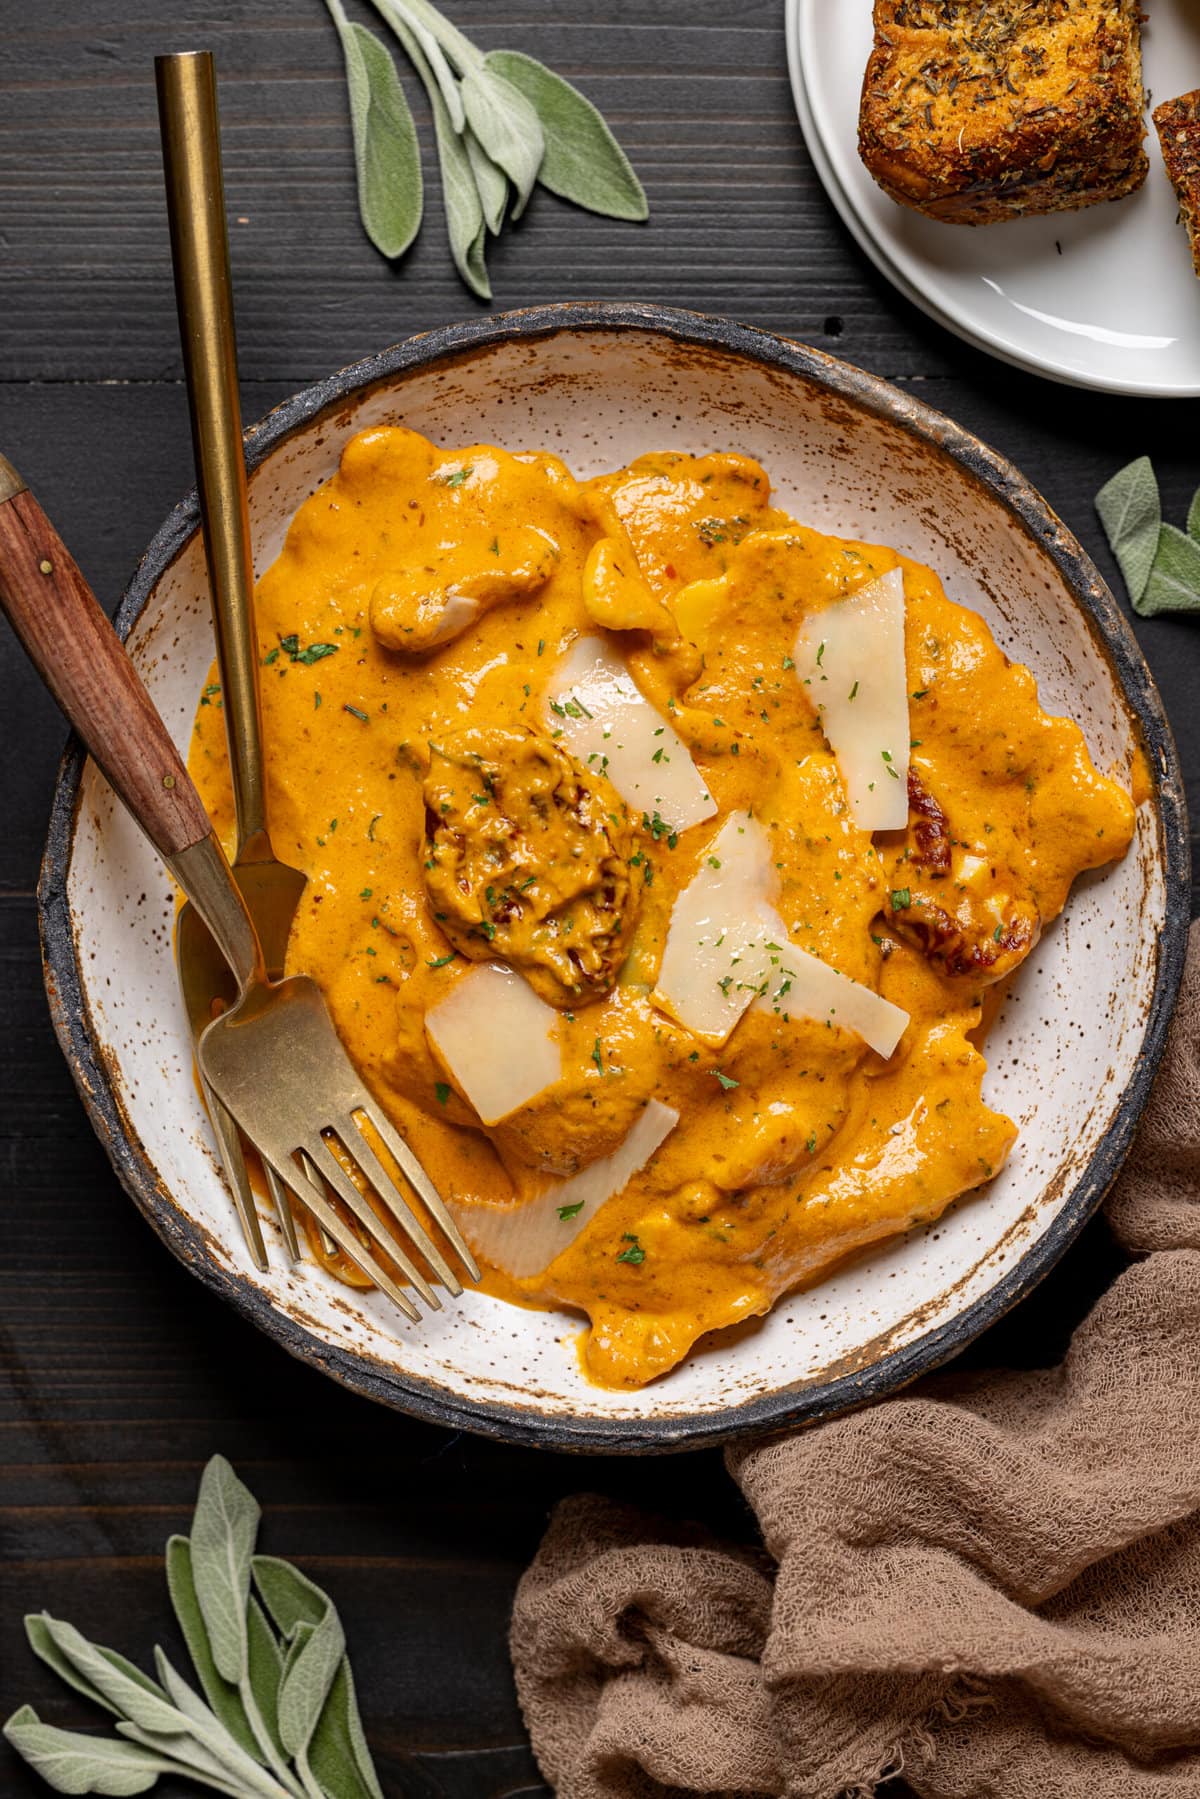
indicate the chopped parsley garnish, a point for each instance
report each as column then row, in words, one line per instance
column 357, row 712
column 901, row 899
column 443, row 1092
column 596, row 1057
column 311, row 653
column 635, row 1253
column 820, row 652
column 371, row 827
column 441, row 961
column 566, row 1212
column 658, row 827
column 725, row 1081
column 457, row 477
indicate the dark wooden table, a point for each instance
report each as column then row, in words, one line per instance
column 123, row 1376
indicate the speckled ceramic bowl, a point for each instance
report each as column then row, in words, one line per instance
column 1072, row 1055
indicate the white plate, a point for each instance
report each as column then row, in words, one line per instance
column 1103, row 298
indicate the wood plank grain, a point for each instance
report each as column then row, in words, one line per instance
column 121, row 1375
column 698, row 95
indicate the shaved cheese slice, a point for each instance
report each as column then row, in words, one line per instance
column 851, row 659
column 523, row 1240
column 497, row 1039
column 799, row 983
column 610, row 726
column 712, row 965
column 727, row 947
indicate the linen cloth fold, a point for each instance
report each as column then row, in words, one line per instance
column 990, row 1583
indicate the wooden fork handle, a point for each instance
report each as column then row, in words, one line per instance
column 83, row 662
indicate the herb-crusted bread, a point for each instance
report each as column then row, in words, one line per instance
column 975, row 111
column 1178, row 125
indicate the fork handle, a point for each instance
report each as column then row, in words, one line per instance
column 83, row 662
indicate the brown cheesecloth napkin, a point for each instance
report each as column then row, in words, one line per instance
column 991, row 1582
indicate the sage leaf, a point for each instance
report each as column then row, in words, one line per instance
column 125, row 1688
column 307, row 1677
column 387, row 156
column 265, row 1671
column 583, row 160
column 338, row 1754
column 203, row 1727
column 508, row 128
column 223, row 1533
column 1193, row 517
column 491, row 183
column 71, row 1762
column 402, row 17
column 43, row 1645
column 465, row 225
column 290, row 1597
column 1174, row 584
column 1131, row 513
column 187, row 1756
column 459, row 49
column 460, row 196
column 221, row 1694
column 338, row 1749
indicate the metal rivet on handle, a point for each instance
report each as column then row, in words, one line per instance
column 46, row 566
column 168, row 780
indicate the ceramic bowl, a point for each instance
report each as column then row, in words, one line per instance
column 1071, row 1056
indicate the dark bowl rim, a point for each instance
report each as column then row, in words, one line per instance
column 803, row 1403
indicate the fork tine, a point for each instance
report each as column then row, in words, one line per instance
column 311, row 1170
column 385, row 1186
column 340, row 1233
column 333, row 1172
column 229, row 1144
column 420, row 1182
column 283, row 1212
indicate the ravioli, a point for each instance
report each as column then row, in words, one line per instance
column 456, row 806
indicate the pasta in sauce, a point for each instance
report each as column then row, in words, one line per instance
column 454, row 805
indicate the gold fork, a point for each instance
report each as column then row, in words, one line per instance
column 274, row 1059
column 187, row 105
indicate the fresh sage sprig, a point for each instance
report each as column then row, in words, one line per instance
column 1160, row 563
column 503, row 123
column 278, row 1718
column 387, row 156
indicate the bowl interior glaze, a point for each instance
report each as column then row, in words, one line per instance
column 1073, row 1050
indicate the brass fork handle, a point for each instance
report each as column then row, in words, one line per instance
column 83, row 662
column 187, row 106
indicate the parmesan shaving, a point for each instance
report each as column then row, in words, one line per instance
column 496, row 1039
column 523, row 1240
column 727, row 947
column 851, row 659
column 604, row 719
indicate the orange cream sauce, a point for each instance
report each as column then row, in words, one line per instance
column 796, row 1144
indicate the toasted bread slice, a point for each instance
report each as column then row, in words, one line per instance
column 1178, row 125
column 975, row 111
